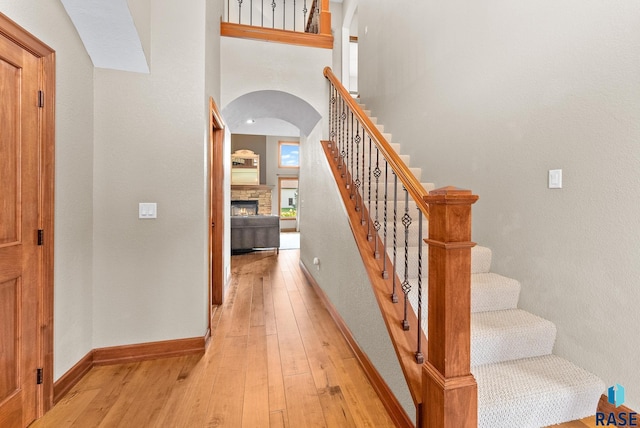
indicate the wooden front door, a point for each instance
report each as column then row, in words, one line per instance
column 21, row 256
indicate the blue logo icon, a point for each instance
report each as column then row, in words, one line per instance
column 616, row 395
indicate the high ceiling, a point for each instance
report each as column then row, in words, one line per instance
column 109, row 34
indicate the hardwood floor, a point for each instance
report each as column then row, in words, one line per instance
column 276, row 359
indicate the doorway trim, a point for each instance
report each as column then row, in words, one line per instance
column 216, row 209
column 46, row 125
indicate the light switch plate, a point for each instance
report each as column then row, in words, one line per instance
column 147, row 210
column 555, row 179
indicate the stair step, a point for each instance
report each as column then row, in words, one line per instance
column 480, row 259
column 493, row 292
column 535, row 392
column 509, row 335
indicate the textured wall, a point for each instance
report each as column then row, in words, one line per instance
column 74, row 181
column 151, row 276
column 341, row 273
column 490, row 96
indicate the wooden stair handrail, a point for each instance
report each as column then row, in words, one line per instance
column 406, row 177
column 448, row 396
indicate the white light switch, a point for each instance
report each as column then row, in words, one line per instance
column 147, row 210
column 555, row 179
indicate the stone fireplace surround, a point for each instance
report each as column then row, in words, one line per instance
column 261, row 193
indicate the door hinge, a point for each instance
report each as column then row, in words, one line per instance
column 39, row 376
column 40, row 99
column 40, row 237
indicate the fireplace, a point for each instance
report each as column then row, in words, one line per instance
column 243, row 208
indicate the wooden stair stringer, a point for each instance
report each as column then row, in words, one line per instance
column 404, row 342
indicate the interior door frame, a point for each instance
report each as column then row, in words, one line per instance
column 46, row 59
column 216, row 208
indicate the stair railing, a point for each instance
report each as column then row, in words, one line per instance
column 388, row 207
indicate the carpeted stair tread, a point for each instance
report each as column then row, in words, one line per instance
column 493, row 292
column 480, row 259
column 509, row 335
column 535, row 392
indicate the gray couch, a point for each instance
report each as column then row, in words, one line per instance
column 256, row 231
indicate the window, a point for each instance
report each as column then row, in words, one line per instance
column 288, row 154
column 288, row 198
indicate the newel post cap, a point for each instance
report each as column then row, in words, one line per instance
column 451, row 195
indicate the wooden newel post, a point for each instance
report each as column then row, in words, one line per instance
column 450, row 392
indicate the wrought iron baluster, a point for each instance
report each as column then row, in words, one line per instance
column 273, row 13
column 351, row 170
column 343, row 152
column 304, row 14
column 239, row 11
column 345, row 135
column 348, row 155
column 376, row 224
column 262, row 13
column 332, row 119
column 251, row 12
column 340, row 142
column 294, row 15
column 357, row 189
column 367, row 218
column 394, row 296
column 406, row 286
column 419, row 355
column 284, row 13
column 385, row 218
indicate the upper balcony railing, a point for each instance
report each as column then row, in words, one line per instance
column 300, row 22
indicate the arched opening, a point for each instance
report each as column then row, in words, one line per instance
column 270, row 124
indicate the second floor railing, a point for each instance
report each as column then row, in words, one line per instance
column 305, row 16
column 297, row 22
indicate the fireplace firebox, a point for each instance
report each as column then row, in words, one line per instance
column 244, row 208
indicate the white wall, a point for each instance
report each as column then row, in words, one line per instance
column 490, row 96
column 251, row 65
column 341, row 273
column 151, row 276
column 74, row 152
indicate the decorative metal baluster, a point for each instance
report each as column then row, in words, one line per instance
column 332, row 118
column 340, row 141
column 304, row 14
column 376, row 224
column 343, row 152
column 356, row 138
column 294, row 15
column 228, row 11
column 419, row 355
column 284, row 14
column 251, row 12
column 385, row 218
column 357, row 189
column 262, row 13
column 343, row 121
column 394, row 296
column 239, row 11
column 273, row 14
column 367, row 218
column 406, row 286
column 348, row 155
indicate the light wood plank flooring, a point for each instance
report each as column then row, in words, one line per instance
column 276, row 359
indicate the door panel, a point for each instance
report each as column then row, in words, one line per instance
column 19, row 254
